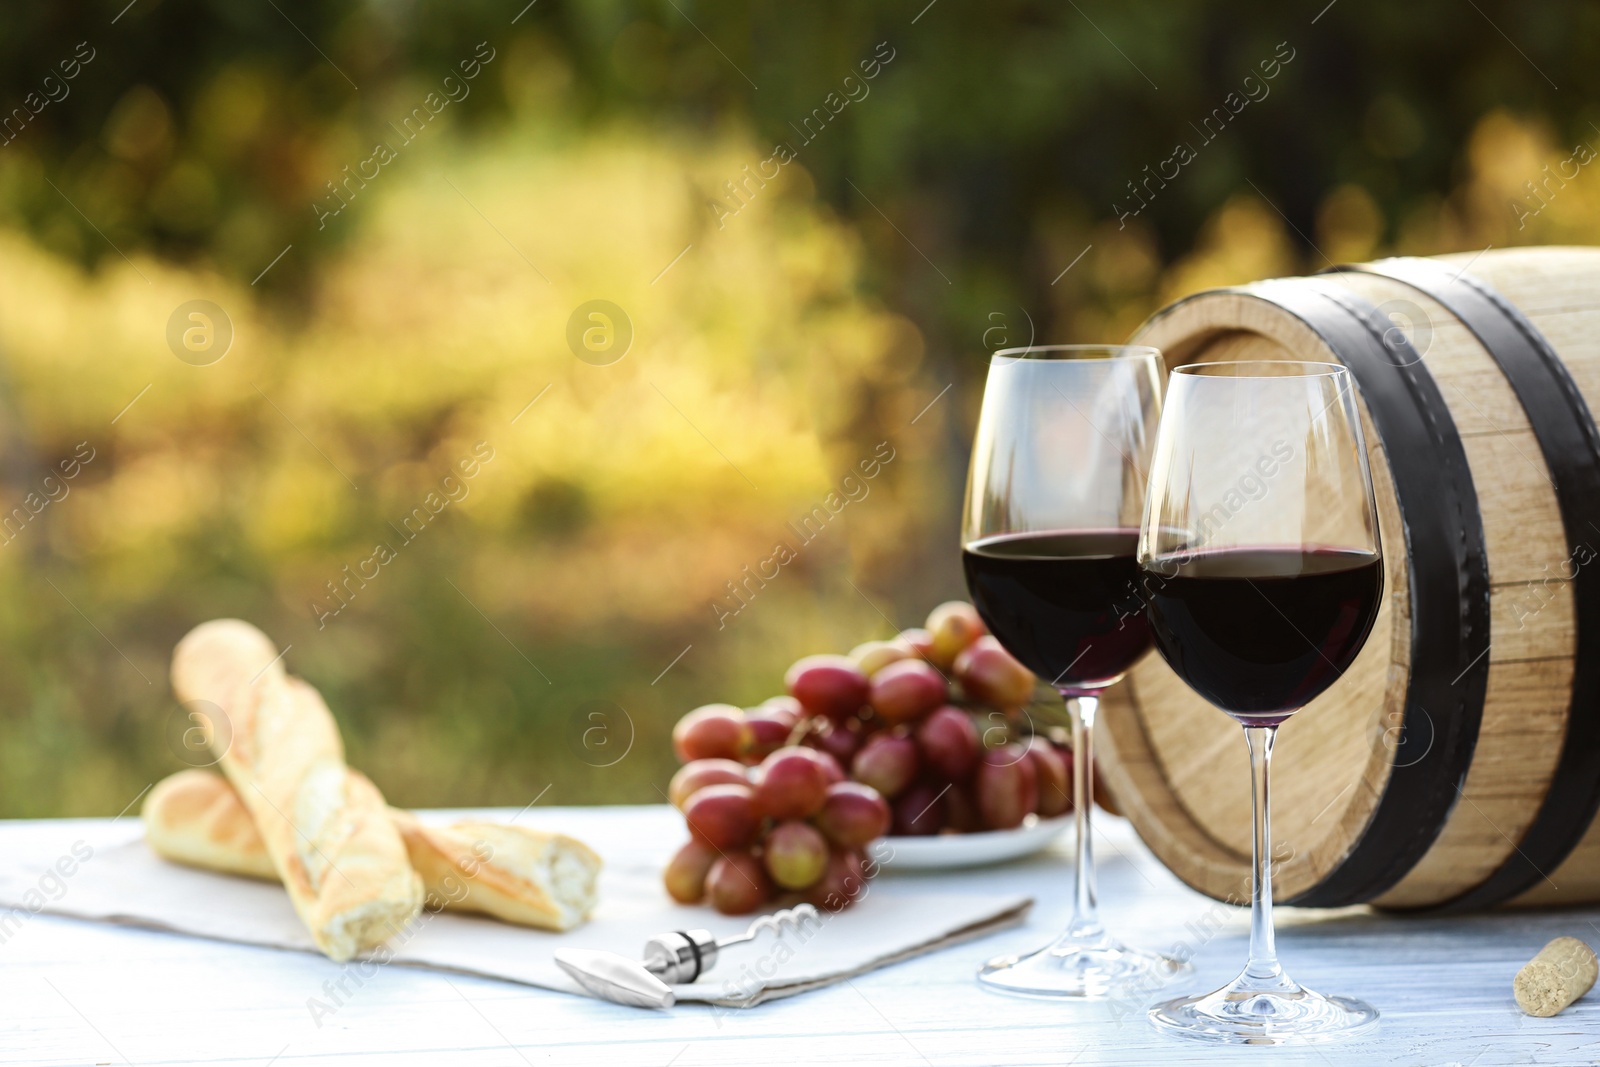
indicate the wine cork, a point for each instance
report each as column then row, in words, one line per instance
column 1563, row 971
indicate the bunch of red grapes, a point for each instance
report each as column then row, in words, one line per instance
column 924, row 725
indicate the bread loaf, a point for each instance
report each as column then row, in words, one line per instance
column 195, row 818
column 327, row 832
column 515, row 873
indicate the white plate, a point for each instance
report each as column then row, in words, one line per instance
column 945, row 851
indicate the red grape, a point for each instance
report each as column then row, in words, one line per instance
column 695, row 776
column 784, row 705
column 1055, row 778
column 723, row 816
column 795, row 854
column 831, row 686
column 838, row 740
column 873, row 656
column 830, row 766
column 1007, row 787
column 842, row 882
column 919, row 811
column 791, row 783
column 738, row 884
column 990, row 675
column 953, row 625
column 716, row 731
column 906, row 690
column 887, row 763
column 685, row 876
column 918, row 640
column 769, row 731
column 961, row 812
column 949, row 742
column 853, row 815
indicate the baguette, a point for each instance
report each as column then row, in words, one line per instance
column 515, row 873
column 195, row 818
column 326, row 831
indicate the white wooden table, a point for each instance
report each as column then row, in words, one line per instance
column 81, row 993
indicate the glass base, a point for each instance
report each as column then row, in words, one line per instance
column 1247, row 1011
column 1082, row 970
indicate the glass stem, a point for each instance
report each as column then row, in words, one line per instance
column 1263, row 965
column 1085, row 924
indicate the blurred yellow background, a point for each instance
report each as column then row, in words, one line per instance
column 543, row 621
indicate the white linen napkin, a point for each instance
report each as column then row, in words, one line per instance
column 101, row 870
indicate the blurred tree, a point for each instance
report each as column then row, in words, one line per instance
column 994, row 173
column 208, row 128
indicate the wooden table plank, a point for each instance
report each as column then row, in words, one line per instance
column 79, row 993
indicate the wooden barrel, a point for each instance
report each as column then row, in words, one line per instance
column 1456, row 764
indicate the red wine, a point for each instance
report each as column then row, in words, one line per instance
column 1066, row 604
column 1259, row 632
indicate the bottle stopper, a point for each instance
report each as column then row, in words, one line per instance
column 1563, row 971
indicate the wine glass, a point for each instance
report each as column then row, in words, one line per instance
column 1054, row 497
column 1262, row 575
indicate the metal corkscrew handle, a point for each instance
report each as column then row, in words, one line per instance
column 682, row 956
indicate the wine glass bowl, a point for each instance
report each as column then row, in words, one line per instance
column 1261, row 668
column 1064, row 603
column 1262, row 573
column 1050, row 532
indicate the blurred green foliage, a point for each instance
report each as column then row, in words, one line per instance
column 963, row 196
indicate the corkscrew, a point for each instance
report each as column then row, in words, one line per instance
column 678, row 957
